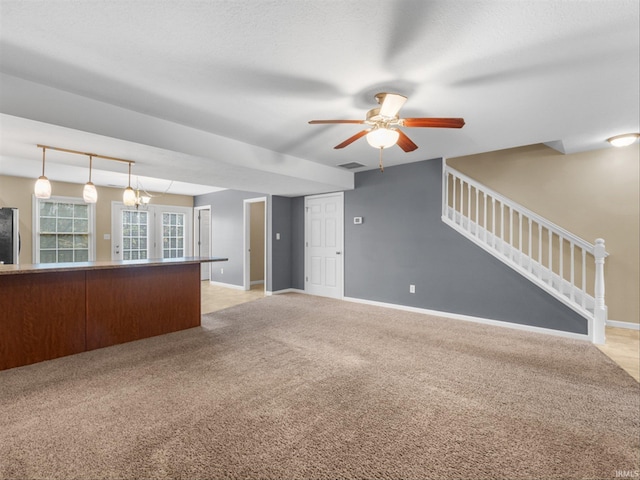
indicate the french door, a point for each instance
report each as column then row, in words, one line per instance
column 156, row 231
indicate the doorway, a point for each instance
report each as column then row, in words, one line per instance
column 255, row 243
column 324, row 245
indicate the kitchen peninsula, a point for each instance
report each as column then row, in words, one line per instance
column 52, row 310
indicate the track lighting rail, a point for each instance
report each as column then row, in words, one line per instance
column 94, row 155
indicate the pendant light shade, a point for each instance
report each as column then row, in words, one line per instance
column 129, row 196
column 43, row 186
column 89, row 193
column 383, row 137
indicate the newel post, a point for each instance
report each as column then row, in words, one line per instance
column 600, row 309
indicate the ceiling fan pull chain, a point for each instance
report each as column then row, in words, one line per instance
column 381, row 166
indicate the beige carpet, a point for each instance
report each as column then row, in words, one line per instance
column 297, row 387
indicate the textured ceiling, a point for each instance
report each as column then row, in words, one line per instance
column 219, row 93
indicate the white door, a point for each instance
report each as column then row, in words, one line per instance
column 324, row 274
column 131, row 233
column 202, row 236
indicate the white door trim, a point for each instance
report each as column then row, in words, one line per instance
column 197, row 231
column 341, row 246
column 246, row 241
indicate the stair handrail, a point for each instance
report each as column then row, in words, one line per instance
column 525, row 211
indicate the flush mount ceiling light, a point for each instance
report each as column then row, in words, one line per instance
column 624, row 139
column 89, row 193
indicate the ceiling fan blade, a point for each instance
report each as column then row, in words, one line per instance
column 391, row 104
column 315, row 122
column 433, row 122
column 350, row 140
column 405, row 143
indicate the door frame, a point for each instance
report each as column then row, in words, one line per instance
column 152, row 234
column 246, row 242
column 306, row 243
column 197, row 231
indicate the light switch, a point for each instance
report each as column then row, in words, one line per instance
column 277, row 236
column 357, row 220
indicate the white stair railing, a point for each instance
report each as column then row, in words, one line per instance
column 561, row 263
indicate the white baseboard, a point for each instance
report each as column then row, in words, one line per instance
column 286, row 290
column 227, row 285
column 628, row 325
column 469, row 318
column 257, row 282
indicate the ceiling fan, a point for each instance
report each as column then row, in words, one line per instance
column 383, row 123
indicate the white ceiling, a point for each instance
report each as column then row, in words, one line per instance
column 218, row 93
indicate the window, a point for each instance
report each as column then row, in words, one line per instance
column 172, row 235
column 64, row 230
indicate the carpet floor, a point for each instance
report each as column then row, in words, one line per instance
column 301, row 387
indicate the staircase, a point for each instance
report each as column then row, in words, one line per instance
column 561, row 263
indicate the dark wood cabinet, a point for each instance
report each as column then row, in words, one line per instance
column 48, row 312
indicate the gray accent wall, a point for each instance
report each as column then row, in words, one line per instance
column 297, row 243
column 403, row 241
column 280, row 266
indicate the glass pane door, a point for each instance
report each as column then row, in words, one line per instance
column 173, row 235
column 135, row 229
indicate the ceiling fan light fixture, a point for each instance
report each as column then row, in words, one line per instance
column 383, row 137
column 624, row 139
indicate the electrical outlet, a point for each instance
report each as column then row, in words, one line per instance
column 412, row 289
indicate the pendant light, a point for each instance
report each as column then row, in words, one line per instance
column 129, row 196
column 43, row 186
column 90, row 194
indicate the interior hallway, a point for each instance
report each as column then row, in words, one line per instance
column 623, row 345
